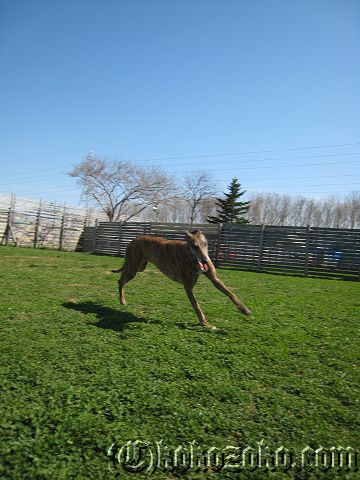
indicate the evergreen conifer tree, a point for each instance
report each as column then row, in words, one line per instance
column 231, row 209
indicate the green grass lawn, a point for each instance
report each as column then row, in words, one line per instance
column 80, row 372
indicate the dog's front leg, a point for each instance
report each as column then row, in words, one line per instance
column 197, row 308
column 223, row 288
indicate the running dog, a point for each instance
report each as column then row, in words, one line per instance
column 182, row 261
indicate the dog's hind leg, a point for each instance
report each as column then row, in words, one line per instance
column 197, row 309
column 126, row 276
column 142, row 265
column 134, row 262
column 128, row 273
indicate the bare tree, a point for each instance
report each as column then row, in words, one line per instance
column 121, row 189
column 277, row 209
column 198, row 187
column 207, row 208
column 352, row 202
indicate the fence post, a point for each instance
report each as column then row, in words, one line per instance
column 8, row 226
column 95, row 235
column 307, row 250
column 37, row 224
column 120, row 237
column 9, row 223
column 62, row 228
column 218, row 243
column 261, row 246
column 5, row 237
column 11, row 219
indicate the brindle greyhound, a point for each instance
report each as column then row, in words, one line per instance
column 182, row 261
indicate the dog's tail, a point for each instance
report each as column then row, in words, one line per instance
column 118, row 270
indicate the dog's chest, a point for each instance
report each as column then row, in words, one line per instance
column 183, row 274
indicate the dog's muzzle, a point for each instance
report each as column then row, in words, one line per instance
column 203, row 264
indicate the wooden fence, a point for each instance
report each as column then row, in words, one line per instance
column 32, row 223
column 113, row 238
column 294, row 250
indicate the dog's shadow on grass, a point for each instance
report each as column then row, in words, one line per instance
column 117, row 320
column 108, row 318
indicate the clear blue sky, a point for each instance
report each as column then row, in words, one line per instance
column 185, row 84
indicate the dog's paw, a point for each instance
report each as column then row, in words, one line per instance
column 216, row 330
column 245, row 310
column 210, row 327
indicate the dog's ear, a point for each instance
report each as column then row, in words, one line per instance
column 189, row 235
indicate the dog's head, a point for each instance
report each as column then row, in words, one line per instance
column 198, row 246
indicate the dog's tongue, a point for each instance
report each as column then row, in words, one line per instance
column 203, row 267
